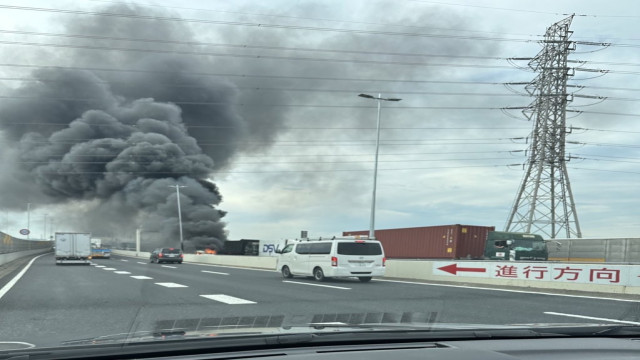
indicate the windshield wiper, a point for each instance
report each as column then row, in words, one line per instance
column 619, row 330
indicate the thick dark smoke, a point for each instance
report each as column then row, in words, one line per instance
column 111, row 145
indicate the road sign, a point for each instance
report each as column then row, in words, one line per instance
column 24, row 232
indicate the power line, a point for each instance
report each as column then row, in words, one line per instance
column 383, row 154
column 604, row 170
column 254, row 25
column 171, row 173
column 283, row 48
column 340, row 128
column 288, row 77
column 361, row 90
column 279, row 162
column 310, row 18
column 526, row 11
column 256, row 57
column 245, row 46
column 16, row 97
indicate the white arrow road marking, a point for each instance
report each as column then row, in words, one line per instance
column 171, row 285
column 228, row 299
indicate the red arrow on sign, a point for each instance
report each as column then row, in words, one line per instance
column 453, row 269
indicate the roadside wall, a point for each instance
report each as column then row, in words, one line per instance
column 8, row 257
column 604, row 278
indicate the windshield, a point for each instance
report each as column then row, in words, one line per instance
column 171, row 251
column 529, row 245
column 177, row 168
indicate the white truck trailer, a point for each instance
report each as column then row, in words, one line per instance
column 73, row 248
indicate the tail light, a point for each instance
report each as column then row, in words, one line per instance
column 384, row 261
column 334, row 261
column 159, row 254
column 181, row 255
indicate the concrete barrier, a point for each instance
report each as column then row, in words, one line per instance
column 430, row 270
column 255, row 262
column 427, row 270
column 8, row 257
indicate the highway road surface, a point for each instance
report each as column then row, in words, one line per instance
column 50, row 304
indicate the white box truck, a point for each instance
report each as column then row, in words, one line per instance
column 73, row 248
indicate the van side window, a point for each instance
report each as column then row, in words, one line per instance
column 287, row 249
column 320, row 248
column 303, row 248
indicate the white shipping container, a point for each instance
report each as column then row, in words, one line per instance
column 73, row 248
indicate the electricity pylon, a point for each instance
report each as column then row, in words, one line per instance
column 544, row 203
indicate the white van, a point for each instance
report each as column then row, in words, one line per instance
column 333, row 258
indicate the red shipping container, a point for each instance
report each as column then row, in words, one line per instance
column 432, row 242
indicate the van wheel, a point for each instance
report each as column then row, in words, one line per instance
column 364, row 278
column 286, row 273
column 318, row 274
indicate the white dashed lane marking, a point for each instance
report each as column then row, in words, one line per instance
column 123, row 260
column 171, row 285
column 142, row 263
column 110, row 269
column 214, row 272
column 100, row 266
column 228, row 299
column 141, row 277
column 320, row 285
column 170, row 267
column 122, row 272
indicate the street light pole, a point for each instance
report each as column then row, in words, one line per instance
column 179, row 214
column 372, row 219
column 44, row 235
column 28, row 219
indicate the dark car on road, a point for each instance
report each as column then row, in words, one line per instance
column 166, row 255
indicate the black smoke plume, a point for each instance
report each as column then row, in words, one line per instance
column 111, row 145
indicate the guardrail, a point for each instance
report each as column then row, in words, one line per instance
column 607, row 250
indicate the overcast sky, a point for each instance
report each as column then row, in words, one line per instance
column 302, row 155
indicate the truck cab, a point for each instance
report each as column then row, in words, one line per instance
column 511, row 246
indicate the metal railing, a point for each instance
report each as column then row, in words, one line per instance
column 610, row 250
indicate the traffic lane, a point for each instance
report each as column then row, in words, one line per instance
column 462, row 303
column 253, row 284
column 501, row 306
column 514, row 306
column 148, row 306
column 51, row 304
column 451, row 304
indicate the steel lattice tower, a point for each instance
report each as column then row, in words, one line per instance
column 544, row 202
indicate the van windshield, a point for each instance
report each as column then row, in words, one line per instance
column 353, row 248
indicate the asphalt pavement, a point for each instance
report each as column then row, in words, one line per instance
column 51, row 304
